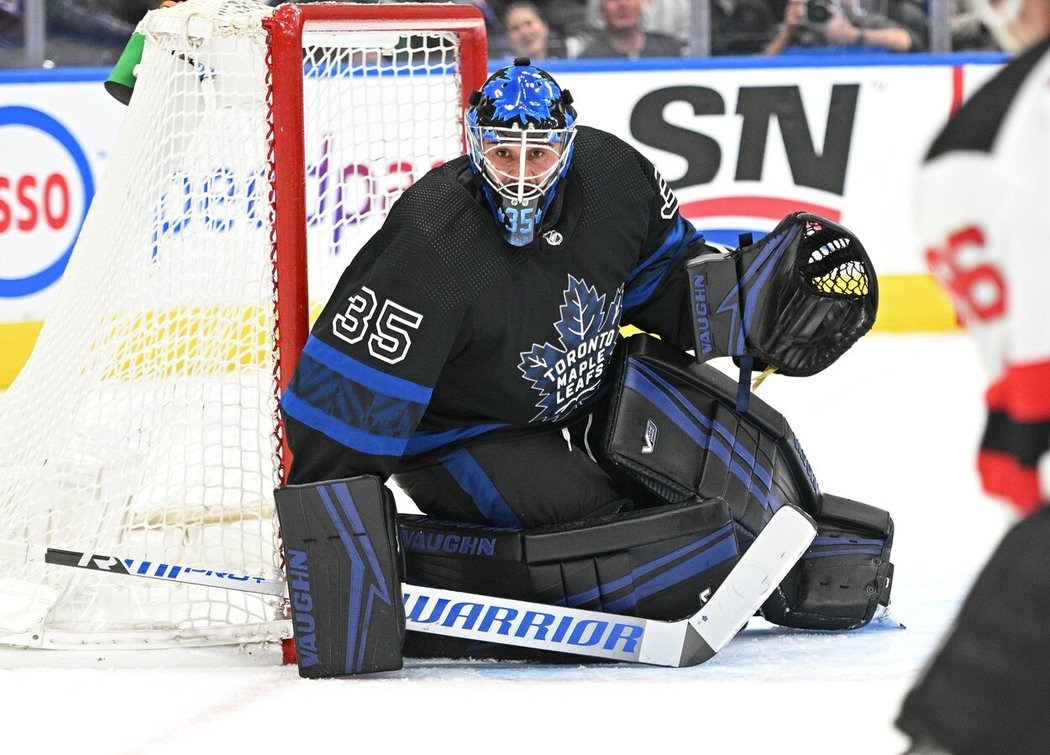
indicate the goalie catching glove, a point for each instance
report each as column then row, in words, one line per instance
column 796, row 300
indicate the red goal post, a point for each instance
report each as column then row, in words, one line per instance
column 261, row 148
column 286, row 28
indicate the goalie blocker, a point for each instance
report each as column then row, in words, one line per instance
column 344, row 576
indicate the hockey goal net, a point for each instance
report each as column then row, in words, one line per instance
column 261, row 148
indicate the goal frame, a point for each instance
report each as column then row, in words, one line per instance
column 287, row 144
column 169, row 436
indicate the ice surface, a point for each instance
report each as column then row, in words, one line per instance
column 894, row 423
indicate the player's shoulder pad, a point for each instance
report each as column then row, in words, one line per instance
column 593, row 144
column 977, row 125
column 614, row 167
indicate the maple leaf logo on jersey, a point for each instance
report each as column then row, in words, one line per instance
column 566, row 374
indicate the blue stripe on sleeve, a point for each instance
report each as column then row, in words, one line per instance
column 423, row 442
column 369, row 377
column 336, row 429
column 645, row 278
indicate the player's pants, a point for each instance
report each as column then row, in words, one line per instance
column 520, row 482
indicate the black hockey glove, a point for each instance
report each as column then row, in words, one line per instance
column 796, row 300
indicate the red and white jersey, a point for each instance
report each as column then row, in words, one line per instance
column 983, row 205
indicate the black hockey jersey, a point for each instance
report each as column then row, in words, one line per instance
column 439, row 331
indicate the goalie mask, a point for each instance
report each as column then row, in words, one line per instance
column 520, row 128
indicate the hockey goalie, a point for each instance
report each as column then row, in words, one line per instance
column 472, row 353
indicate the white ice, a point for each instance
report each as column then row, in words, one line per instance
column 894, row 423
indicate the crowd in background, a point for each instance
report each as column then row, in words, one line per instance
column 93, row 32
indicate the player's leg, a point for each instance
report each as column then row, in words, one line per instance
column 658, row 563
column 522, row 482
column 987, row 687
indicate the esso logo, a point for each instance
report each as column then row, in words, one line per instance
column 45, row 190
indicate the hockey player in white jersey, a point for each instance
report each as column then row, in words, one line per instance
column 983, row 196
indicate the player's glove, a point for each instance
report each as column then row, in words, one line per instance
column 796, row 300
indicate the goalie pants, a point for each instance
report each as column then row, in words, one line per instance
column 521, row 482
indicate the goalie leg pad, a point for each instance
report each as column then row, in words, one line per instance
column 344, row 576
column 844, row 576
column 655, row 563
column 674, row 427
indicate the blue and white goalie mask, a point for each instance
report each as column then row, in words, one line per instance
column 520, row 128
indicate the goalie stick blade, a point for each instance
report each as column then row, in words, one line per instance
column 777, row 548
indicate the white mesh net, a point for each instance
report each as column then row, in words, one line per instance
column 144, row 423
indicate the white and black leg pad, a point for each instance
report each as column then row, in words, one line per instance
column 844, row 576
column 344, row 576
column 674, row 427
column 657, row 563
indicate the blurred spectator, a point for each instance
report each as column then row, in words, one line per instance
column 529, row 35
column 492, row 10
column 566, row 18
column 968, row 31
column 895, row 25
column 670, row 17
column 79, row 32
column 623, row 35
column 741, row 27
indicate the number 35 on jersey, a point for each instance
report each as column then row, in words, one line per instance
column 388, row 334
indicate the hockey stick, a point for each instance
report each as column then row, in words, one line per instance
column 686, row 642
column 135, row 567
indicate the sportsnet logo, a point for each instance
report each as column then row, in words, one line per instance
column 723, row 220
column 784, row 140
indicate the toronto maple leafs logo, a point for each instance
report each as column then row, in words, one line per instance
column 567, row 372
